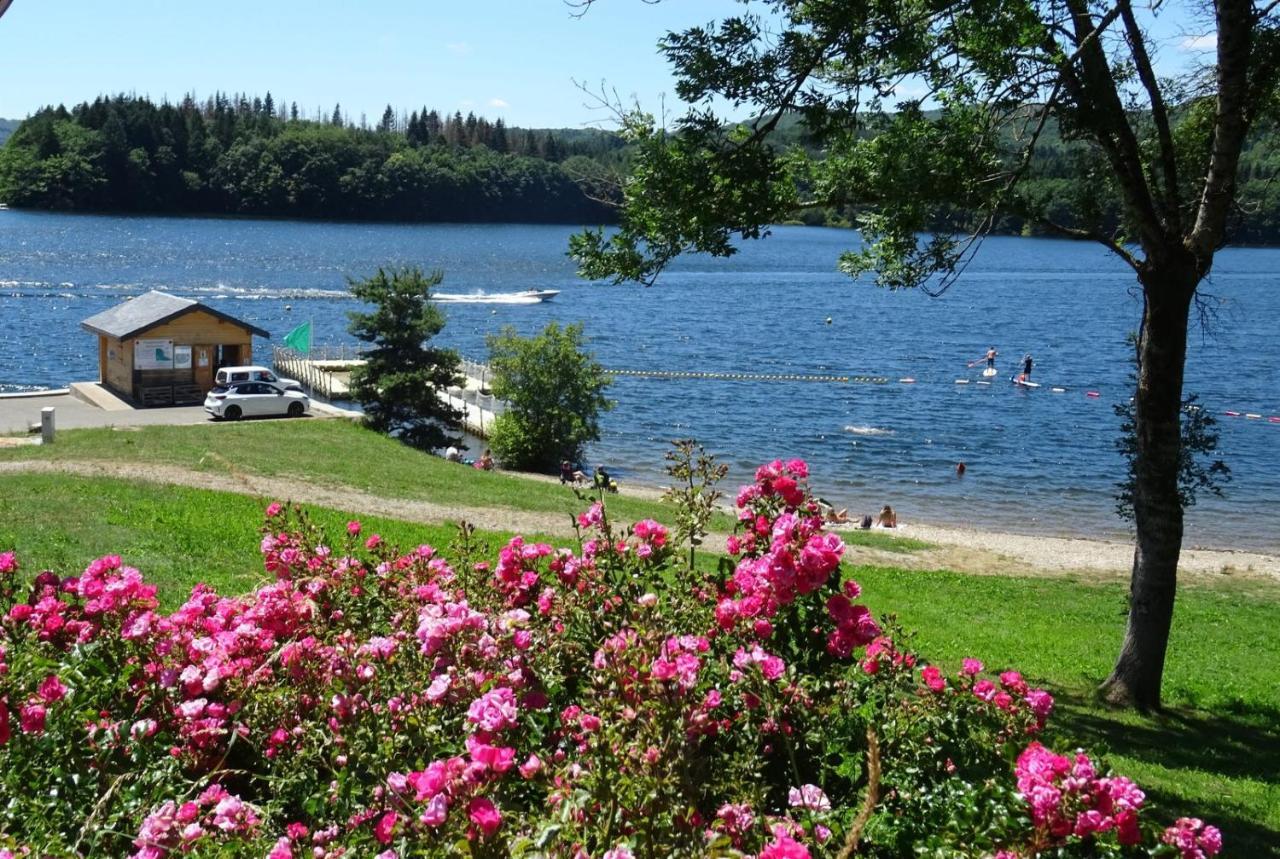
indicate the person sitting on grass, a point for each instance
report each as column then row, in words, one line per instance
column 485, row 462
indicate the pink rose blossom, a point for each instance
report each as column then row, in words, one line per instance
column 808, row 796
column 485, row 815
column 31, row 718
column 783, row 846
column 495, row 710
column 51, row 689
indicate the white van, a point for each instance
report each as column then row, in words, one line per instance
column 230, row 375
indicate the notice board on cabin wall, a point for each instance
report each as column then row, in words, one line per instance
column 154, row 355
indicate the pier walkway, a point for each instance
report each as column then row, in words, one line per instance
column 326, row 373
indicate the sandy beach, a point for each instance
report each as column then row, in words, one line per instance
column 1002, row 553
column 993, row 551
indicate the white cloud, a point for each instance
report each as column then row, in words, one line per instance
column 1194, row 44
column 458, row 49
column 497, row 102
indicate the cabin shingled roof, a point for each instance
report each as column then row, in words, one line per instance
column 140, row 314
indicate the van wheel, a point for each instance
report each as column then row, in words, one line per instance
column 232, row 413
column 295, row 410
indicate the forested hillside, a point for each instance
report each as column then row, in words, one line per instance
column 1067, row 184
column 254, row 157
column 7, row 127
column 236, row 155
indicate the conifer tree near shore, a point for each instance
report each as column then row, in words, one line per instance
column 399, row 385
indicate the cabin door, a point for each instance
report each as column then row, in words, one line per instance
column 202, row 366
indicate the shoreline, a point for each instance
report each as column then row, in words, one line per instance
column 1041, row 555
column 989, row 552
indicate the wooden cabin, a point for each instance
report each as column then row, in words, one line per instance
column 160, row 350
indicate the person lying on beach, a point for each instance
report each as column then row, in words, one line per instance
column 569, row 474
column 887, row 518
column 830, row 513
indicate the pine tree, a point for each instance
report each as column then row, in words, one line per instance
column 337, row 115
column 433, row 127
column 399, row 385
column 388, row 122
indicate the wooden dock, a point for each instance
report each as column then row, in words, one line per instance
column 326, row 374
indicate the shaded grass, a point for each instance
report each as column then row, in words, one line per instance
column 1214, row 753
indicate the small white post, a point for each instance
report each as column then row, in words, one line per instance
column 46, row 425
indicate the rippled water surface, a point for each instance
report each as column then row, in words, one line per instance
column 1038, row 461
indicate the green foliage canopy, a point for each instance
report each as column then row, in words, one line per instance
column 398, row 387
column 554, row 390
column 233, row 156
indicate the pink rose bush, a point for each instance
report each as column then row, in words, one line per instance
column 603, row 702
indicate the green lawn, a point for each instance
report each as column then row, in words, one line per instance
column 343, row 454
column 176, row 536
column 1215, row 753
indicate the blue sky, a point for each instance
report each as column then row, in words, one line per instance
column 517, row 59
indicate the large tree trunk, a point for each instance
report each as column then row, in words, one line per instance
column 1162, row 352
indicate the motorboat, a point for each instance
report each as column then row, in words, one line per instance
column 528, row 296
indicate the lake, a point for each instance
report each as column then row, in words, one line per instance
column 1038, row 461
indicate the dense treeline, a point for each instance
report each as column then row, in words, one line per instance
column 1069, row 185
column 234, row 155
column 7, row 127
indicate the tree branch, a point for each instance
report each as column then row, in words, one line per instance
column 1098, row 99
column 1093, row 235
column 1168, row 159
column 1230, row 124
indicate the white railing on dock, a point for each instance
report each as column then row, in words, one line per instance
column 479, row 410
column 326, row 373
column 476, row 372
column 327, row 377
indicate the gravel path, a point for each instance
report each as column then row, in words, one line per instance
column 964, row 550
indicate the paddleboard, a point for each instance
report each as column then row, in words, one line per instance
column 962, row 381
column 1024, row 384
column 990, row 371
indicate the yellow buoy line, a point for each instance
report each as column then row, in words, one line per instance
column 751, row 377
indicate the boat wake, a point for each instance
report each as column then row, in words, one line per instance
column 864, row 430
column 529, row 296
column 215, row 292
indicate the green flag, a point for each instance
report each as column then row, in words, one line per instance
column 299, row 339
